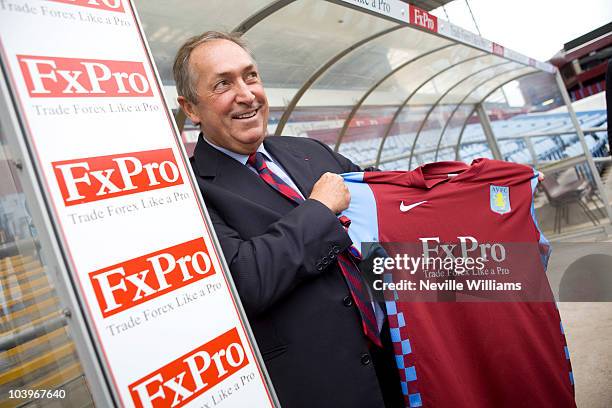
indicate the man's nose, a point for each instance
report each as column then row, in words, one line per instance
column 244, row 94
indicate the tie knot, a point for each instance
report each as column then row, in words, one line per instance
column 345, row 221
column 256, row 160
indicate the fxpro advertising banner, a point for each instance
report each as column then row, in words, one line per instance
column 134, row 234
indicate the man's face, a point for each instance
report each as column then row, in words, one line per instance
column 232, row 105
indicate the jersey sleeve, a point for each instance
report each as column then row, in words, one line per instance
column 543, row 243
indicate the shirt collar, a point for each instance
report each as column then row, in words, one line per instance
column 429, row 175
column 241, row 158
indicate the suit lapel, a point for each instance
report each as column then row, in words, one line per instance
column 225, row 171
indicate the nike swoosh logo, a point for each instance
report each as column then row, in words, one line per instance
column 406, row 208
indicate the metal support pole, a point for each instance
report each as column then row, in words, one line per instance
column 532, row 152
column 587, row 152
column 488, row 131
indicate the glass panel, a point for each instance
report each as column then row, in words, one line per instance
column 400, row 164
column 402, row 134
column 334, row 131
column 364, row 66
column 532, row 126
column 481, row 91
column 167, row 24
column 442, row 83
column 46, row 359
column 472, row 151
column 399, row 86
column 481, row 80
column 431, row 134
column 318, row 123
column 438, row 87
column 447, row 154
column 366, row 128
column 528, row 106
column 473, row 132
column 454, row 124
column 396, row 89
column 353, row 75
column 300, row 51
column 579, row 208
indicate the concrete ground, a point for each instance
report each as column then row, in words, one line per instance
column 588, row 329
column 588, row 325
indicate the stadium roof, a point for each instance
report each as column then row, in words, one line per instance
column 353, row 59
column 429, row 5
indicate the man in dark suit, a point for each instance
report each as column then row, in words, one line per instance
column 282, row 256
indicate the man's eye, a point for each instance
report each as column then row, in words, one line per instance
column 221, row 85
column 252, row 75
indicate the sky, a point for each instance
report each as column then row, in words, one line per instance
column 536, row 28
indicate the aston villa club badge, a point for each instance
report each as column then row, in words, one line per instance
column 500, row 199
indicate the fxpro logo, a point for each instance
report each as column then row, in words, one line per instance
column 189, row 376
column 468, row 247
column 125, row 285
column 498, row 49
column 98, row 178
column 110, row 5
column 423, row 19
column 57, row 77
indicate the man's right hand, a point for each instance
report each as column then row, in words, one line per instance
column 331, row 191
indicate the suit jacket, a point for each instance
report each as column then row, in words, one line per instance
column 283, row 261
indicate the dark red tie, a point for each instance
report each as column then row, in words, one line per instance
column 350, row 271
column 258, row 162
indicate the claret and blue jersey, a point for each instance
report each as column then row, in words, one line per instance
column 467, row 354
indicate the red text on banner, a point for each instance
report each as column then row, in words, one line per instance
column 58, row 77
column 112, row 5
column 423, row 19
column 98, row 178
column 122, row 286
column 190, row 375
column 498, row 49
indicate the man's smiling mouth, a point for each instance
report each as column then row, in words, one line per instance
column 246, row 115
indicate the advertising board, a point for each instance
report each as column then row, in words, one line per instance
column 160, row 308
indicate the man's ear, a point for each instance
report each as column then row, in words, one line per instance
column 189, row 109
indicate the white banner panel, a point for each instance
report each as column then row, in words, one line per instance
column 407, row 13
column 465, row 36
column 134, row 233
column 394, row 9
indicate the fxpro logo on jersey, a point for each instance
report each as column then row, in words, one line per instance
column 499, row 197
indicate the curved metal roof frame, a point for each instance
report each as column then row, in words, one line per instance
column 335, row 57
column 461, row 102
column 296, row 98
column 289, row 109
column 456, row 146
column 356, row 107
column 260, row 15
column 409, row 97
column 484, row 98
column 418, row 134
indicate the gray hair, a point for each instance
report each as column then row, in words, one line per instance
column 184, row 78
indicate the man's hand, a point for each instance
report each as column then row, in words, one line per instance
column 331, row 191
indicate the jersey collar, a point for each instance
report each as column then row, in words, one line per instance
column 431, row 174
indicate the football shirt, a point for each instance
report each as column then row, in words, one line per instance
column 483, row 349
